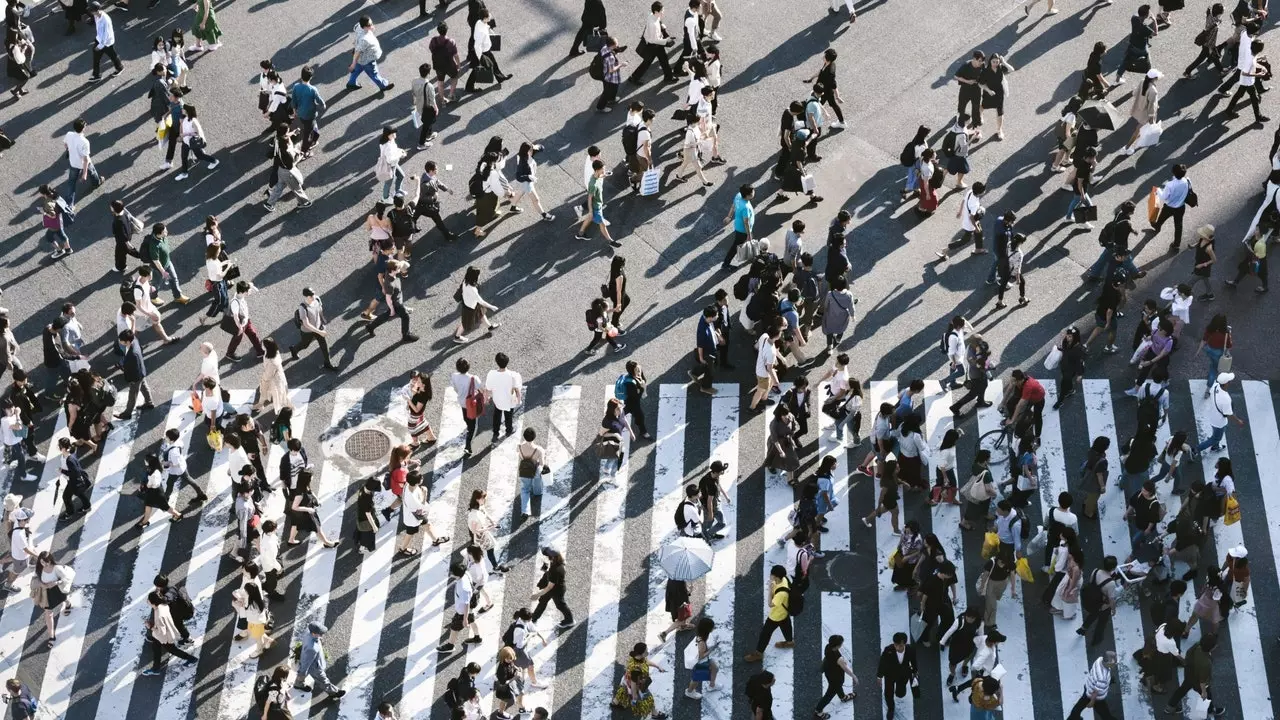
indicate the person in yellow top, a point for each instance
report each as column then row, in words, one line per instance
column 779, row 616
column 1255, row 261
column 987, row 696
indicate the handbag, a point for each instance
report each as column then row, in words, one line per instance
column 981, row 585
column 214, row 439
column 1192, row 199
column 483, row 73
column 1153, row 205
column 496, row 38
column 197, row 403
column 1232, row 514
column 1202, row 37
column 1085, row 213
column 595, row 40
column 650, row 182
column 475, row 401
column 990, row 545
column 807, row 183
column 228, row 324
column 1224, row 362
column 917, row 626
column 1054, row 357
column 893, row 559
column 1023, row 568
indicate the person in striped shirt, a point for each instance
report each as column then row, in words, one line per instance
column 1097, row 683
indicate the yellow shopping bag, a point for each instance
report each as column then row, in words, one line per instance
column 215, row 440
column 163, row 127
column 1231, row 515
column 990, row 545
column 1153, row 205
column 893, row 559
column 1024, row 570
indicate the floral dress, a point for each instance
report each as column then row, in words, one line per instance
column 622, row 697
column 210, row 33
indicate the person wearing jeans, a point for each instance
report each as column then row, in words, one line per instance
column 532, row 458
column 1219, row 402
column 81, row 160
column 365, row 56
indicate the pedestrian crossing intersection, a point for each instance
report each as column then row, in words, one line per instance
column 387, row 615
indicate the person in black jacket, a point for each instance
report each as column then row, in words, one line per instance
column 594, row 17
column 24, row 397
column 123, row 227
column 897, row 668
column 135, row 373
column 77, row 483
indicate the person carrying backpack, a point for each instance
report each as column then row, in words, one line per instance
column 271, row 694
column 1098, row 599
column 688, row 516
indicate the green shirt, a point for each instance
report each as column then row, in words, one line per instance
column 157, row 249
column 595, row 188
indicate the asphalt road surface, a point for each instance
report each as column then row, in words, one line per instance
column 895, row 69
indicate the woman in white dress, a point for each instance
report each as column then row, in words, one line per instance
column 273, row 388
column 1066, row 601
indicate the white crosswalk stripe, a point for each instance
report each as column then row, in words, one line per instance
column 598, row 583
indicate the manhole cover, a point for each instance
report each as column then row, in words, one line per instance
column 368, row 445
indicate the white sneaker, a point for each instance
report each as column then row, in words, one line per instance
column 837, row 125
column 213, row 164
column 693, row 694
column 181, row 176
column 166, row 166
column 1120, row 80
column 716, row 36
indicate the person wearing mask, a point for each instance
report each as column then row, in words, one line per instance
column 365, row 54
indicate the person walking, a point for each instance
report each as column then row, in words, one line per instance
column 1011, row 272
column 897, row 671
column 163, row 635
column 52, row 585
column 444, row 57
column 174, row 461
column 312, row 663
column 1202, row 265
column 467, row 386
column 104, row 42
column 551, row 589
column 1220, row 411
column 530, row 468
column 394, row 292
column 135, row 373
column 1097, row 685
column 825, row 79
column 423, row 106
column 1197, row 675
column 1173, row 195
column 834, row 669
column 365, row 54
column 308, row 104
column 79, row 156
column 595, row 205
column 206, row 31
column 18, row 63
column 288, row 174
column 610, row 75
column 743, row 217
column 1142, row 28
column 778, row 598
column 474, row 310
column 238, row 310
column 1253, row 261
column 594, row 21
column 505, row 389
column 1251, row 69
column 429, row 189
column 482, row 40
column 312, row 327
column 194, row 142
column 273, row 387
column 1207, row 39
column 654, row 41
column 527, row 179
column 1098, row 599
column 155, row 251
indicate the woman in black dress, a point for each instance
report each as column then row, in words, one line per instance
column 677, row 605
column 617, row 291
column 508, row 684
column 1094, row 84
column 551, row 589
column 995, row 83
column 79, row 415
column 302, row 512
column 826, row 77
column 793, row 170
column 55, row 583
column 367, row 515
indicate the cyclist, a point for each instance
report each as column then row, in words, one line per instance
column 1029, row 405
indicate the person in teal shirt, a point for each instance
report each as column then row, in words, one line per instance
column 743, row 216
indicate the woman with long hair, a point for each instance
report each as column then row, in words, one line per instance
column 1146, row 107
column 303, row 511
column 216, row 273
column 617, row 291
column 53, row 582
column 910, row 158
column 482, row 526
column 602, row 331
column 164, row 636
column 1214, row 344
column 388, row 169
column 474, row 310
column 419, row 396
column 194, row 142
column 273, row 387
column 527, row 179
column 251, row 604
column 154, row 495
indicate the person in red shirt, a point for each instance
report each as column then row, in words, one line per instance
column 1030, row 407
column 400, row 465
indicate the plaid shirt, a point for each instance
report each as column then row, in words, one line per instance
column 612, row 69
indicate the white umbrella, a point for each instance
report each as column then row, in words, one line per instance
column 686, row 558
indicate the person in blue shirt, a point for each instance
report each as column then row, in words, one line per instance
column 307, row 105
column 706, row 350
column 743, row 217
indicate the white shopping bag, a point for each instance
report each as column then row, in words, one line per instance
column 416, row 117
column 649, row 182
column 1149, row 135
column 1053, row 358
column 807, row 183
column 1197, row 707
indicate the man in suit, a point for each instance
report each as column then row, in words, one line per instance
column 135, row 373
column 897, row 669
column 76, row 479
column 593, row 17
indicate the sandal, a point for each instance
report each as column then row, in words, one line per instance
column 51, row 642
column 67, row 610
column 440, row 541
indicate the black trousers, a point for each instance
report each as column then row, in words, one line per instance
column 584, row 32
column 501, row 417
column 1100, row 709
column 1187, row 686
column 1210, row 53
column 766, row 632
column 158, row 650
column 485, row 58
column 558, row 599
column 110, row 52
column 941, row 617
column 833, row 690
column 1254, row 99
column 829, row 97
column 637, row 416
column 1246, row 266
column 609, row 96
column 897, row 687
column 270, row 582
column 1099, row 621
column 400, row 312
column 811, row 148
column 651, row 53
column 309, row 133
column 186, row 480
column 1167, row 212
column 971, row 95
column 70, row 493
column 429, row 116
column 471, row 429
column 977, row 390
column 305, row 341
column 123, row 252
column 738, row 239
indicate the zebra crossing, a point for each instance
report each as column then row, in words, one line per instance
column 387, row 615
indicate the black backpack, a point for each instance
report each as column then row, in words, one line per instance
column 1091, row 596
column 1149, row 412
column 742, row 288
column 630, row 139
column 908, row 155
column 596, row 71
column 1024, row 525
column 261, row 689
column 509, row 636
column 946, row 338
column 475, row 186
column 949, row 144
column 1105, row 238
column 401, row 222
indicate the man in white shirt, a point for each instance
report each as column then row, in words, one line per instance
column 1174, row 196
column 955, row 335
column 269, row 560
column 1219, row 411
column 464, row 383
column 1250, row 71
column 653, row 46
column 208, row 365
column 504, row 388
column 80, row 160
column 174, row 459
column 481, row 36
column 691, row 47
column 766, row 359
column 463, row 620
column 970, row 214
column 104, row 42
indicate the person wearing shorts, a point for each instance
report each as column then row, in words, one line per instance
column 444, row 58
column 766, row 365
column 464, row 594
column 595, row 205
